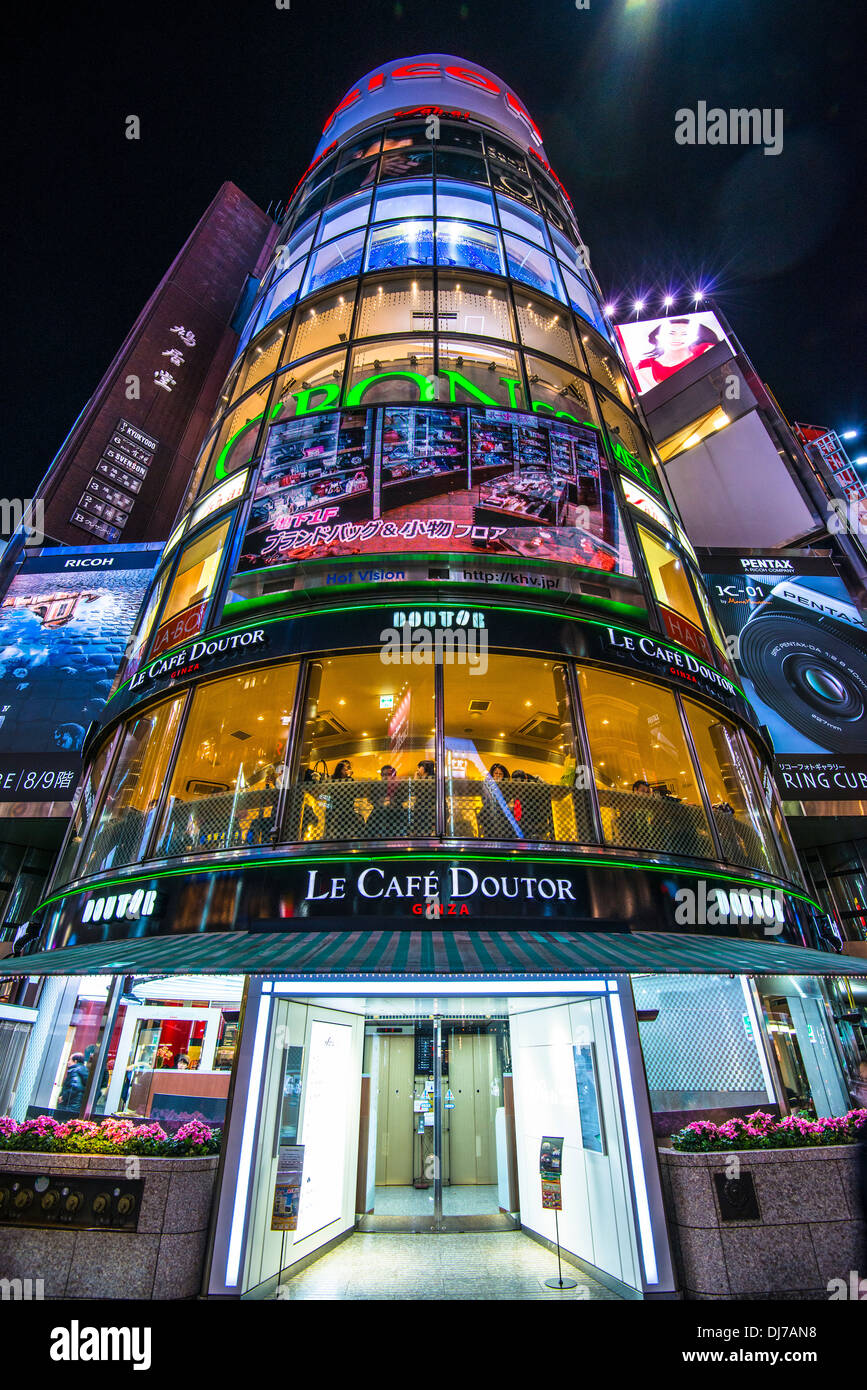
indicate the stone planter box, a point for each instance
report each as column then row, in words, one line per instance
column 163, row 1259
column 809, row 1230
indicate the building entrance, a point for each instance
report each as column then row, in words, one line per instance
column 438, row 1143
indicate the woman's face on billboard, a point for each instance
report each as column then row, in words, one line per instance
column 674, row 334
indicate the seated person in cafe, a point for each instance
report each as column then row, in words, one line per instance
column 495, row 821
column 342, row 821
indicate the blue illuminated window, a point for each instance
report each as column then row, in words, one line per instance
column 461, row 244
column 335, row 261
column 344, row 217
column 462, row 200
column 281, row 296
column 530, row 265
column 401, row 244
column 403, row 200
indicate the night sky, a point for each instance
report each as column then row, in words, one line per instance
column 240, row 91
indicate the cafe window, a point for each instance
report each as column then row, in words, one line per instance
column 511, row 766
column 84, row 805
column 771, row 797
column 740, row 819
column 191, row 588
column 648, row 793
column 366, row 765
column 131, row 800
column 401, row 306
column 669, row 577
column 230, row 765
column 473, row 306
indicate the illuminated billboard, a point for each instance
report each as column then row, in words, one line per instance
column 656, row 349
column 800, row 645
column 64, row 623
column 414, row 480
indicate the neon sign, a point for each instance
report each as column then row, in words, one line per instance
column 415, row 71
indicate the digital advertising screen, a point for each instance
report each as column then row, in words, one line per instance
column 64, row 623
column 655, row 349
column 415, row 480
column 800, row 645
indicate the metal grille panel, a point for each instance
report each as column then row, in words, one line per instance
column 655, row 822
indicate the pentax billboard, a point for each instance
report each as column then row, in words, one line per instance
column 800, row 646
column 64, row 623
column 419, row 480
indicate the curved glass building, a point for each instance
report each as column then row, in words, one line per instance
column 427, row 723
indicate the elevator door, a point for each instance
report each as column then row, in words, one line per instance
column 394, row 1130
column 476, row 1087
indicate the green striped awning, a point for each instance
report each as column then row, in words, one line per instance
column 480, row 954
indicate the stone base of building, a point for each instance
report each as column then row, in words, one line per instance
column 808, row 1233
column 162, row 1259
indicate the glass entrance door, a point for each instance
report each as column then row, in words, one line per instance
column 443, row 1151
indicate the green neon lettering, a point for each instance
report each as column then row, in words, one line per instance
column 426, row 388
column 220, row 469
column 510, row 383
column 456, row 379
column 629, row 461
column 330, row 390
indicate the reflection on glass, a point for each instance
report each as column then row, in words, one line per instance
column 511, row 770
column 344, row 217
column 366, row 769
column 337, row 260
column 229, row 768
column 648, row 795
column 741, row 823
column 84, row 805
column 464, row 201
column 403, row 200
column 532, row 267
column 131, row 800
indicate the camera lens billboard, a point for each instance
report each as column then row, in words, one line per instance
column 415, row 480
column 64, row 623
column 800, row 645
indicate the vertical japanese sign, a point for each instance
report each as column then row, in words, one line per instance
column 287, row 1188
column 550, row 1168
column 64, row 622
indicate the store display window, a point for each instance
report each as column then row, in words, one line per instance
column 404, row 305
column 532, row 267
column 317, row 470
column 321, row 325
column 511, row 767
column 473, row 306
column 741, row 821
column 171, row 1050
column 648, row 794
column 424, row 451
column 403, row 200
column 132, row 798
column 187, row 602
column 366, row 767
column 461, row 244
column 337, row 260
column 230, row 764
